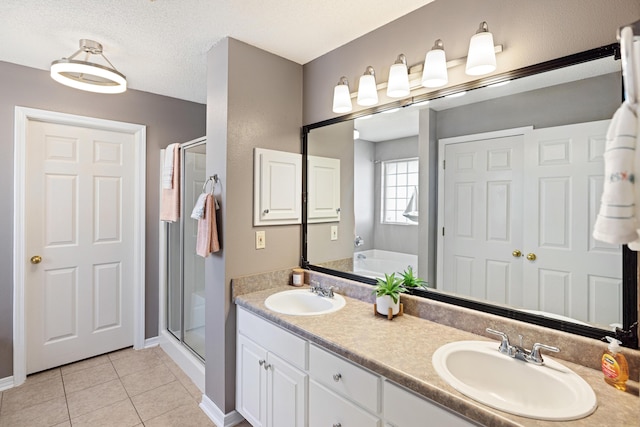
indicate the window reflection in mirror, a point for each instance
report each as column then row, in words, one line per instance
column 531, row 192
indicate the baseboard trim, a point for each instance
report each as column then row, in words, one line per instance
column 152, row 342
column 217, row 416
column 6, row 383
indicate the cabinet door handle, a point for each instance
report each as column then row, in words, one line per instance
column 337, row 425
column 262, row 362
column 337, row 377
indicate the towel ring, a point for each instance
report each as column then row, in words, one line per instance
column 213, row 179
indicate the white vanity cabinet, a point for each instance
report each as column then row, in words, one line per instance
column 283, row 381
column 270, row 391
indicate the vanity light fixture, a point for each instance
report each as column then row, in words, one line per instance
column 398, row 85
column 367, row 90
column 434, row 73
column 481, row 58
column 391, row 110
column 341, row 97
column 504, row 83
column 86, row 75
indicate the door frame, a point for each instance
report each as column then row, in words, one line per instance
column 442, row 143
column 22, row 117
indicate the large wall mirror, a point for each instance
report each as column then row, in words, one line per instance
column 489, row 191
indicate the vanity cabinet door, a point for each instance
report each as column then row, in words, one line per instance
column 402, row 408
column 327, row 409
column 251, row 381
column 286, row 394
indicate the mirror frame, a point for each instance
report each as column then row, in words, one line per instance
column 628, row 333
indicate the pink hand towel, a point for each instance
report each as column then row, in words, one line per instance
column 170, row 197
column 207, row 239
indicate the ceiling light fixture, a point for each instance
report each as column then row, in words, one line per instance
column 367, row 90
column 86, row 75
column 398, row 85
column 481, row 58
column 434, row 73
column 341, row 97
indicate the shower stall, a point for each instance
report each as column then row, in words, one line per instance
column 184, row 294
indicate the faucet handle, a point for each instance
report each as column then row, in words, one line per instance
column 504, row 344
column 536, row 357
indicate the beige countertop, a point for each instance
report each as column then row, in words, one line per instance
column 401, row 351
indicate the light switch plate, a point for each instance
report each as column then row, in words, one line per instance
column 334, row 232
column 261, row 240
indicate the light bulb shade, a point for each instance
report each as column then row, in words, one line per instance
column 367, row 91
column 342, row 98
column 88, row 76
column 398, row 85
column 481, row 58
column 435, row 73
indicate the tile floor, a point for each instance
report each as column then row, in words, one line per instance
column 128, row 388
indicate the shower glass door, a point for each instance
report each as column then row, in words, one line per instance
column 185, row 287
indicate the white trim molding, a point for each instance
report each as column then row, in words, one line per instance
column 218, row 417
column 6, row 383
column 22, row 117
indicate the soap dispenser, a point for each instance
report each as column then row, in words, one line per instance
column 614, row 365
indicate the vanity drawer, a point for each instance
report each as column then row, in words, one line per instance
column 328, row 409
column 273, row 338
column 342, row 376
column 403, row 408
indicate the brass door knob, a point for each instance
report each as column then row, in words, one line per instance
column 36, row 259
column 531, row 257
column 516, row 253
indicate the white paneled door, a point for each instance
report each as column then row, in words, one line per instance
column 518, row 213
column 79, row 243
column 483, row 218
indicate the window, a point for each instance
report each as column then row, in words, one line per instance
column 399, row 191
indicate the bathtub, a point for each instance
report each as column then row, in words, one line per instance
column 375, row 263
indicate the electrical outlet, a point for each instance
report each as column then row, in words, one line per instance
column 261, row 240
column 334, row 232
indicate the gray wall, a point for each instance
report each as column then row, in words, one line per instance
column 531, row 32
column 364, row 191
column 254, row 99
column 167, row 119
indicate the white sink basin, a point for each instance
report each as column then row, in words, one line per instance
column 548, row 392
column 302, row 302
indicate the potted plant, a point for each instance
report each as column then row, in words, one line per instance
column 410, row 281
column 388, row 292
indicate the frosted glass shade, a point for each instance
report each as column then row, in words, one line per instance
column 367, row 91
column 482, row 56
column 435, row 69
column 398, row 85
column 341, row 99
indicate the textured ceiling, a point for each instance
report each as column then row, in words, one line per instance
column 161, row 45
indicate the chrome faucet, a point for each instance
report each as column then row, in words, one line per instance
column 519, row 352
column 318, row 289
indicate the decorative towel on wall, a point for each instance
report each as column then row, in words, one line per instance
column 170, row 197
column 207, row 239
column 167, row 167
column 616, row 222
column 198, row 209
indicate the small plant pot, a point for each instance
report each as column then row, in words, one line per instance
column 385, row 302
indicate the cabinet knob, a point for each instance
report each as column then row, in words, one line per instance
column 262, row 362
column 531, row 257
column 337, row 377
column 337, row 425
column 36, row 259
column 266, row 211
column 516, row 253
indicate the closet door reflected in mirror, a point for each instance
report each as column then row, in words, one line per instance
column 185, row 284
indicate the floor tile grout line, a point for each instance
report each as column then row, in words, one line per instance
column 66, row 401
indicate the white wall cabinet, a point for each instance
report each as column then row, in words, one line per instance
column 276, row 388
column 277, row 187
column 324, row 189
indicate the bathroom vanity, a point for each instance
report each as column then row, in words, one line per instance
column 352, row 368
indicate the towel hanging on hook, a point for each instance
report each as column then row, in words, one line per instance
column 199, row 208
column 630, row 61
